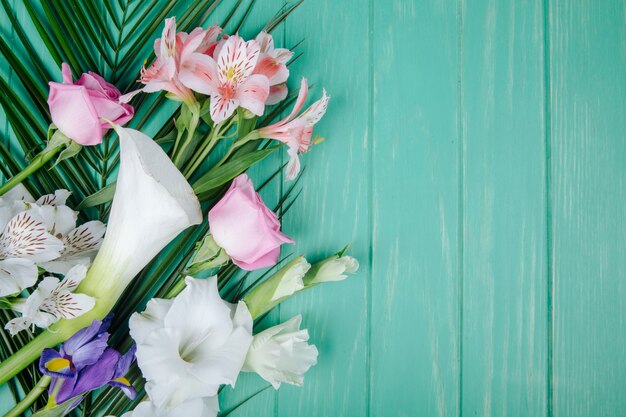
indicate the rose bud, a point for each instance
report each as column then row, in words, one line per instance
column 78, row 109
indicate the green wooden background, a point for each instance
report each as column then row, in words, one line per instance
column 475, row 156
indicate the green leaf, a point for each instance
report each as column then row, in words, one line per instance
column 222, row 174
column 103, row 196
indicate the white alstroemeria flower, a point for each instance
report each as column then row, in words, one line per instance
column 80, row 245
column 52, row 301
column 199, row 407
column 16, row 275
column 189, row 346
column 281, row 354
column 334, row 268
column 24, row 241
column 283, row 284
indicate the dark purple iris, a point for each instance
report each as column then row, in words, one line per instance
column 85, row 363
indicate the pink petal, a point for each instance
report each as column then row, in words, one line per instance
column 265, row 261
column 265, row 41
column 302, row 94
column 73, row 112
column 67, row 74
column 199, row 72
column 236, row 59
column 275, row 71
column 277, row 94
column 293, row 166
column 222, row 108
column 313, row 114
column 253, row 93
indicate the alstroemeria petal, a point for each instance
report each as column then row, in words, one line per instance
column 16, row 275
column 26, row 237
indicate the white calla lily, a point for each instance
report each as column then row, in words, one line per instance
column 152, row 204
column 189, row 346
column 281, row 354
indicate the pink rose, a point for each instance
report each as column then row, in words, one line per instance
column 77, row 108
column 245, row 228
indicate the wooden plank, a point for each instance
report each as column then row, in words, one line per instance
column 333, row 209
column 415, row 179
column 504, row 362
column 588, row 184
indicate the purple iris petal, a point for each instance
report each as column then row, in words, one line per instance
column 52, row 363
column 121, row 368
column 91, row 377
column 87, row 345
column 123, row 365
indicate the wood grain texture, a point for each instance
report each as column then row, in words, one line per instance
column 415, row 272
column 504, row 260
column 334, row 208
column 588, row 189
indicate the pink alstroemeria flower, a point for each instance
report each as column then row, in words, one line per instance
column 172, row 51
column 78, row 108
column 228, row 78
column 273, row 64
column 296, row 131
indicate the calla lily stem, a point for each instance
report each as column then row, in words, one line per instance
column 37, row 162
column 30, row 398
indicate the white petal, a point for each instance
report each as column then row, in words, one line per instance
column 198, row 310
column 68, row 305
column 58, row 220
column 73, row 277
column 281, row 354
column 62, row 266
column 144, row 323
column 201, row 407
column 57, row 199
column 19, row 192
column 292, row 280
column 83, row 239
column 16, row 275
column 27, row 237
column 153, row 203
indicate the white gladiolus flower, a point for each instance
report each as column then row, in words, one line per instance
column 153, row 203
column 52, row 301
column 199, row 407
column 281, row 354
column 189, row 346
column 334, row 268
column 291, row 281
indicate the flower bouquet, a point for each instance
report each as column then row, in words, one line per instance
column 137, row 271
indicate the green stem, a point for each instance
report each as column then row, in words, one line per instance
column 30, row 397
column 37, row 162
column 200, row 157
column 237, row 144
column 191, row 129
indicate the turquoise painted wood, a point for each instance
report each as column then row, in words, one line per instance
column 475, row 157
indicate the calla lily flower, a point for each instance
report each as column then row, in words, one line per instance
column 153, row 203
